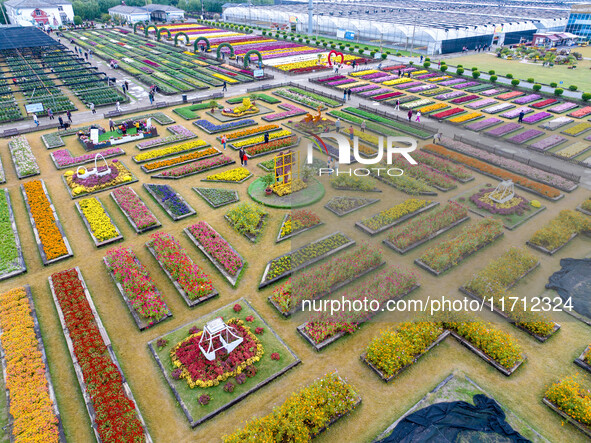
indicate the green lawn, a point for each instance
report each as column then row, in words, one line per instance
column 110, row 134
column 544, row 75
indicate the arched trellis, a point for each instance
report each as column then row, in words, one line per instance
column 336, row 54
column 147, row 29
column 249, row 53
column 176, row 38
column 227, row 45
column 136, row 25
column 159, row 33
column 207, row 45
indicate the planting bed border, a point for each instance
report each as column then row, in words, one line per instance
column 44, row 259
column 580, row 360
column 181, row 291
column 134, row 179
column 50, row 389
column 151, row 160
column 76, row 365
column 580, row 209
column 370, row 201
column 210, row 203
column 193, row 423
column 130, row 220
column 331, row 290
column 16, row 169
column 402, row 219
column 427, row 268
column 170, row 142
column 327, row 254
column 580, row 426
column 17, row 241
column 323, row 344
column 293, row 234
column 233, row 280
column 151, row 171
column 257, row 134
column 163, row 177
column 96, row 241
column 191, row 212
column 426, row 239
column 553, row 251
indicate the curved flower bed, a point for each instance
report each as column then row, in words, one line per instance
column 116, row 415
column 26, row 374
column 138, row 286
column 63, row 158
column 561, row 230
column 118, row 176
column 196, row 167
column 165, row 152
column 135, row 209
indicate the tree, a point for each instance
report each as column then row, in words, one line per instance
column 105, row 18
column 77, row 20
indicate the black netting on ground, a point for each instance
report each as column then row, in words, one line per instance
column 456, row 421
column 574, row 281
column 24, row 37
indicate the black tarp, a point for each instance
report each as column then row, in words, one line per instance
column 454, row 422
column 574, row 281
column 19, row 37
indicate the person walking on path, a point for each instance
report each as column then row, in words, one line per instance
column 266, row 137
column 50, row 114
column 151, row 97
column 91, row 106
column 118, row 107
column 126, row 85
column 338, row 124
column 349, row 94
column 224, row 141
column 351, row 132
column 521, row 114
column 329, row 165
column 224, row 87
column 345, row 94
column 437, row 137
column 363, row 126
column 409, row 114
column 61, row 120
column 245, row 159
column 69, row 115
column 111, row 125
column 35, row 119
column 421, row 59
column 241, row 156
column 397, row 105
column 418, row 119
column 86, row 56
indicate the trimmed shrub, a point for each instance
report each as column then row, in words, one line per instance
column 531, row 80
column 384, row 56
column 536, row 87
column 491, row 72
column 460, row 71
column 573, row 87
column 558, row 91
column 443, row 68
column 509, row 76
column 360, row 50
column 493, row 78
column 586, row 96
column 475, row 74
column 515, row 82
column 474, row 68
column 553, row 84
column 427, row 64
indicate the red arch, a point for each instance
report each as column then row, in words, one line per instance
column 336, row 55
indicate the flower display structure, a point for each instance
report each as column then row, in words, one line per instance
column 119, row 175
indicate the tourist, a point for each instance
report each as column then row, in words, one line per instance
column 151, row 97
column 521, row 114
column 418, row 119
column 338, row 124
column 224, row 86
column 241, row 154
column 91, row 106
column 111, row 125
column 421, row 59
column 345, row 94
column 245, row 158
column 437, row 137
column 69, row 115
column 126, row 85
column 61, row 120
column 266, row 137
column 329, row 165
column 349, row 94
column 399, row 72
column 351, row 132
column 354, row 64
column 363, row 126
column 118, row 107
column 409, row 114
column 224, row 141
column 335, row 166
column 86, row 55
column 397, row 107
column 50, row 114
column 35, row 119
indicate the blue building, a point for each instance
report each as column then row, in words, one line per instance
column 579, row 21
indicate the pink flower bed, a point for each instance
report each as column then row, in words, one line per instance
column 491, row 92
column 563, row 107
column 291, row 110
column 341, row 82
column 448, row 113
column 504, row 129
column 510, row 95
column 375, row 92
column 524, row 136
column 134, row 207
column 373, row 76
column 151, row 63
column 63, row 157
column 330, row 79
column 197, row 166
column 422, row 88
column 583, row 112
column 407, row 85
column 432, row 74
column 217, row 247
column 527, row 99
column 466, row 98
column 548, row 142
column 453, row 81
column 538, row 116
column 544, row 103
column 385, row 79
column 465, row 85
column 385, row 96
column 481, row 103
column 513, row 113
column 483, row 124
column 448, row 95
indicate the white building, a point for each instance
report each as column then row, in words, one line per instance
column 45, row 13
column 152, row 12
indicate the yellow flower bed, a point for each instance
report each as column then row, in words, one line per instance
column 249, row 131
column 261, row 138
column 465, row 117
column 573, row 150
column 289, row 187
column 224, row 77
column 366, row 72
column 164, row 152
column 578, row 128
column 424, row 71
column 309, row 63
column 351, row 85
column 572, row 399
column 398, row 81
column 433, row 107
column 100, row 223
column 30, row 403
column 438, row 79
column 232, row 175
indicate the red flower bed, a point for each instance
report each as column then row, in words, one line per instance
column 309, row 69
column 544, row 103
column 116, row 416
column 385, row 96
column 199, row 371
column 448, row 113
column 465, row 98
column 583, row 112
column 392, row 68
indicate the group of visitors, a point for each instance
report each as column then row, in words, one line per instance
column 346, row 93
column 333, row 165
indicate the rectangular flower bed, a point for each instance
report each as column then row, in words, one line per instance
column 467, row 117
column 580, row 113
column 179, row 133
column 217, row 198
column 514, row 113
column 447, row 113
column 408, row 85
column 559, row 231
column 110, row 400
column 172, row 202
column 261, row 358
column 527, row 99
column 495, row 109
column 12, row 262
column 525, row 136
column 465, row 85
column 245, row 133
column 212, row 128
column 195, row 167
column 30, row 397
column 443, row 167
column 290, row 111
column 297, row 222
column 573, row 150
column 570, row 400
column 98, row 222
column 136, row 287
column 449, row 253
column 432, row 108
column 248, row 219
column 63, row 158
column 272, row 146
column 23, row 159
column 454, row 81
column 235, row 175
column 563, row 107
column 548, row 142
column 584, row 359
column 217, row 250
column 135, row 210
column 578, row 129
column 304, row 256
column 49, row 235
column 509, row 95
column 177, row 161
column 481, row 103
column 505, row 129
column 386, row 96
column 406, row 183
column 373, row 117
column 342, row 206
column 191, row 282
column 483, row 124
column 395, row 215
column 464, row 99
column 426, row 227
column 436, row 91
column 556, row 123
column 259, row 139
column 157, row 154
column 450, row 95
column 544, row 103
column 115, row 174
column 417, row 102
column 421, row 88
column 492, row 92
column 537, row 117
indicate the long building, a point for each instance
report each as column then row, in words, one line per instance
column 430, row 26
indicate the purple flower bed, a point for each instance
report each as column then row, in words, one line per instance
column 151, row 63
column 341, row 82
column 374, row 75
column 385, row 79
column 63, row 157
column 548, row 142
column 422, row 88
column 588, row 137
column 375, row 92
column 211, row 127
column 527, row 99
column 448, row 95
column 150, row 45
column 492, row 92
column 513, row 113
column 123, row 31
column 483, row 124
column 408, row 85
column 563, row 107
column 291, row 110
column 364, row 88
column 504, row 129
column 330, row 79
column 481, row 103
column 408, row 69
column 493, row 209
column 95, row 180
column 453, row 81
column 534, row 118
column 524, row 136
column 465, row 85
column 466, row 98
column 432, row 74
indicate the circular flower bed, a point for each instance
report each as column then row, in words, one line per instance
column 517, row 205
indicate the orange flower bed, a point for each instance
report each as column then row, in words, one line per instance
column 51, row 238
column 181, row 158
column 493, row 170
column 30, row 403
